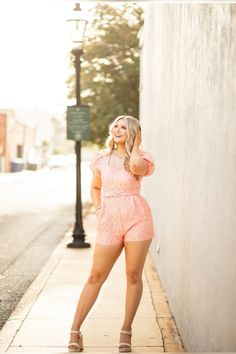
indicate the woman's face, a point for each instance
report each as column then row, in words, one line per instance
column 119, row 132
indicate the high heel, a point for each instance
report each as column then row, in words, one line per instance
column 125, row 347
column 77, row 346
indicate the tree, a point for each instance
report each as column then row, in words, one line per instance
column 110, row 66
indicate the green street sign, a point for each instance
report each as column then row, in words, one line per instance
column 78, row 123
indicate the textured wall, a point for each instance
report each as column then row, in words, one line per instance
column 188, row 110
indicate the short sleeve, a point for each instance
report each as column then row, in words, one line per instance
column 150, row 162
column 95, row 165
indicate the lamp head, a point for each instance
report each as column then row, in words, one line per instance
column 77, row 26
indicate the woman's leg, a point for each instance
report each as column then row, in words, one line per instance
column 135, row 255
column 103, row 260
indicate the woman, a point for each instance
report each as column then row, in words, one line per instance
column 124, row 221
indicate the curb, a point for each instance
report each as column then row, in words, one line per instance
column 172, row 341
column 18, row 316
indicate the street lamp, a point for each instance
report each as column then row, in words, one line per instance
column 77, row 30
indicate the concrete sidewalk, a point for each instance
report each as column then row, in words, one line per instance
column 41, row 322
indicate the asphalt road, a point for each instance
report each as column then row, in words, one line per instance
column 36, row 209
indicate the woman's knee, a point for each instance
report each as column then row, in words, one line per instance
column 133, row 277
column 97, row 278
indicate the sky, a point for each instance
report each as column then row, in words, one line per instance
column 34, row 47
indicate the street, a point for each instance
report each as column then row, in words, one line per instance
column 36, row 209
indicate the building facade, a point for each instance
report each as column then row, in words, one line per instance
column 25, row 137
column 16, row 137
column 188, row 113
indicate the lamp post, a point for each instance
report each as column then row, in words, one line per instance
column 77, row 35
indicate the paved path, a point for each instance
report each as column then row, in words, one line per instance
column 42, row 320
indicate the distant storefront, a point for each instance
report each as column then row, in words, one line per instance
column 16, row 138
column 28, row 137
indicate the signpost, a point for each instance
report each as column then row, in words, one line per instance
column 78, row 126
column 78, row 123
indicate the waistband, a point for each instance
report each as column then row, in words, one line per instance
column 107, row 194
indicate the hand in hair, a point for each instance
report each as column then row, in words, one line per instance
column 138, row 138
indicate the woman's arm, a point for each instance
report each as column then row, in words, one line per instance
column 95, row 191
column 137, row 165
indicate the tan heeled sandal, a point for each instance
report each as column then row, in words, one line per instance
column 125, row 347
column 77, row 346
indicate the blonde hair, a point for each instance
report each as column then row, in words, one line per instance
column 133, row 126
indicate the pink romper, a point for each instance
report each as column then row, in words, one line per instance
column 124, row 215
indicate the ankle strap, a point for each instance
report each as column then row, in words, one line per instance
column 126, row 332
column 75, row 332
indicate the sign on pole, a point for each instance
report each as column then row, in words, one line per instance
column 78, row 123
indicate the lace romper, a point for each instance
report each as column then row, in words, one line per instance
column 124, row 214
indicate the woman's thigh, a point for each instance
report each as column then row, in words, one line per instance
column 135, row 255
column 104, row 258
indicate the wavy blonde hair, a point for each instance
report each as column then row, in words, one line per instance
column 133, row 126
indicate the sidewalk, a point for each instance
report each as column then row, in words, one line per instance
column 41, row 322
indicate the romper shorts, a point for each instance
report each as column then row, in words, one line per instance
column 124, row 217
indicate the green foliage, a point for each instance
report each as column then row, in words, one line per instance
column 110, row 65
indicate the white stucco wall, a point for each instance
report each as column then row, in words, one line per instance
column 188, row 113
